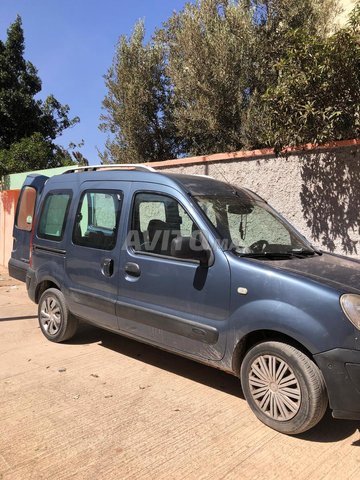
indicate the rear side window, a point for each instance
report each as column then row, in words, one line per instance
column 53, row 216
column 97, row 219
column 25, row 211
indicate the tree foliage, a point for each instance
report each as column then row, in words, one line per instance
column 223, row 75
column 316, row 97
column 33, row 153
column 28, row 126
column 209, row 46
column 137, row 102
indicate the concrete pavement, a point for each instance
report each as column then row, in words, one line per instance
column 105, row 407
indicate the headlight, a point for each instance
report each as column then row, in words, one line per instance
column 351, row 307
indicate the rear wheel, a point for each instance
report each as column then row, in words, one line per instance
column 56, row 322
column 284, row 387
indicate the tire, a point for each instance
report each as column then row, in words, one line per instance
column 283, row 387
column 55, row 320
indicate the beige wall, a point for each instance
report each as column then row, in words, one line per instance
column 346, row 6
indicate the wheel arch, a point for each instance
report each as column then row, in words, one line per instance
column 45, row 284
column 257, row 336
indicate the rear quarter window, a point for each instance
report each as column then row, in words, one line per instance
column 53, row 215
column 25, row 211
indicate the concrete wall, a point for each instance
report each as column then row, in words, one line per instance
column 316, row 189
column 346, row 7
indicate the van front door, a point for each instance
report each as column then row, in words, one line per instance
column 173, row 303
column 23, row 224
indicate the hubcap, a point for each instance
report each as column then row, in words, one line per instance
column 274, row 387
column 50, row 315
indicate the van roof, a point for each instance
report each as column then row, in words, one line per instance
column 191, row 184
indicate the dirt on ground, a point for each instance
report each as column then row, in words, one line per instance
column 104, row 407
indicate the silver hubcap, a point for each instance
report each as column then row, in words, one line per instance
column 50, row 315
column 274, row 387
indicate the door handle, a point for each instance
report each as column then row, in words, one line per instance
column 108, row 267
column 132, row 269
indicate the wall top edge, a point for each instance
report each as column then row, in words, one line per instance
column 249, row 154
column 15, row 181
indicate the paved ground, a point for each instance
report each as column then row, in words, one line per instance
column 104, row 407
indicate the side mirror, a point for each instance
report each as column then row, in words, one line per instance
column 190, row 248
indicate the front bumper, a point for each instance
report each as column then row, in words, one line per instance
column 341, row 371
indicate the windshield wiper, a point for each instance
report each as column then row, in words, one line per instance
column 303, row 252
column 270, row 255
column 293, row 253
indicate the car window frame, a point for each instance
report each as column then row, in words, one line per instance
column 131, row 250
column 58, row 191
column 18, row 208
column 118, row 216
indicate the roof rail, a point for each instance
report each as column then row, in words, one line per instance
column 113, row 166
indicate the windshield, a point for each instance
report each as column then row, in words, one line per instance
column 250, row 227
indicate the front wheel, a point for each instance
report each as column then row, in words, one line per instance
column 284, row 387
column 56, row 322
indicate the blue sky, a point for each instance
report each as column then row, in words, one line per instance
column 72, row 43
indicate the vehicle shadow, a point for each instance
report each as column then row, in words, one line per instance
column 328, row 430
column 23, row 317
column 159, row 358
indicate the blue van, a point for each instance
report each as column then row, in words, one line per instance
column 200, row 268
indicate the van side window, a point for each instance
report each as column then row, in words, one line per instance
column 53, row 216
column 25, row 210
column 156, row 220
column 97, row 219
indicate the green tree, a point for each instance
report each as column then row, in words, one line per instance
column 33, row 153
column 137, row 103
column 273, row 21
column 28, row 126
column 316, row 97
column 209, row 48
column 221, row 57
column 224, row 75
